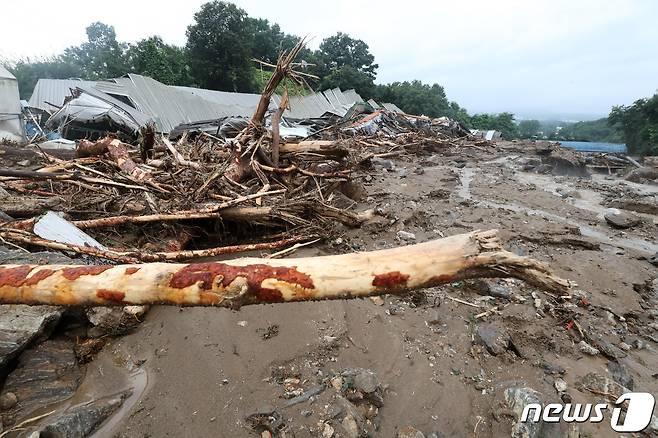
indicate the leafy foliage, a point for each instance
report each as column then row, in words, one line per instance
column 529, row 128
column 219, row 47
column 163, row 62
column 503, row 122
column 595, row 130
column 639, row 125
column 102, row 56
column 28, row 72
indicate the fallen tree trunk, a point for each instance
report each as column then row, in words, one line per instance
column 328, row 148
column 253, row 281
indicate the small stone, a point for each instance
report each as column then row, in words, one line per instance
column 624, row 346
column 560, row 385
column 620, row 374
column 328, row 431
column 410, row 432
column 403, row 173
column 584, row 347
column 306, row 413
column 242, row 323
column 350, row 427
column 405, row 235
column 7, row 401
column 493, row 337
column 377, row 301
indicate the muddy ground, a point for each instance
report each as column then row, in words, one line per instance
column 439, row 369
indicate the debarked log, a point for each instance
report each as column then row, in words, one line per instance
column 243, row 281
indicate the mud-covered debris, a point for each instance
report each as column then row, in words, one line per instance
column 621, row 219
column 114, row 321
column 80, row 421
column 410, row 432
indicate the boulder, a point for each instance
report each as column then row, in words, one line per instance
column 621, row 219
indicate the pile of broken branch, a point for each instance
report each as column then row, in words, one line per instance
column 149, row 203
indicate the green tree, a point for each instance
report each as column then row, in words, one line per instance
column 219, row 46
column 503, row 122
column 28, row 72
column 529, row 128
column 345, row 62
column 102, row 56
column 269, row 40
column 594, row 130
column 418, row 98
column 163, row 62
column 639, row 125
column 341, row 50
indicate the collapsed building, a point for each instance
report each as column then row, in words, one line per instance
column 89, row 109
column 11, row 122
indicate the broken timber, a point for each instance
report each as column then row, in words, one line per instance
column 243, row 281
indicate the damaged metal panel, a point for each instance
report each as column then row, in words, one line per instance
column 49, row 94
column 90, row 109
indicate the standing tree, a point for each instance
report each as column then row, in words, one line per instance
column 529, row 128
column 639, row 125
column 219, row 46
column 163, row 62
column 28, row 72
column 102, row 56
column 346, row 63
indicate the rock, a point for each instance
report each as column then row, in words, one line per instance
column 560, row 385
column 620, row 374
column 410, row 432
column 377, row 300
column 405, row 235
column 607, row 348
column 386, row 164
column 350, row 427
column 621, row 219
column 517, row 398
column 113, row 321
column 22, row 325
column 598, row 384
column 81, row 421
column 365, row 381
column 494, row 337
column 488, row 288
column 7, row 401
column 327, row 431
column 584, row 347
column 653, row 259
column 642, row 175
column 403, row 173
column 44, row 375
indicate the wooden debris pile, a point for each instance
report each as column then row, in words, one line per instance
column 153, row 202
column 202, row 195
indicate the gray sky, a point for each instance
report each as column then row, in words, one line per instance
column 534, row 58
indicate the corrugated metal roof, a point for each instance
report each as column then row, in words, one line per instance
column 53, row 91
column 167, row 106
column 6, row 74
column 373, row 104
column 392, row 107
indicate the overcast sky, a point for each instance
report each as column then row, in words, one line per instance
column 534, row 58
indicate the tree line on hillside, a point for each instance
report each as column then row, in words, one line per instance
column 635, row 125
column 222, row 44
column 223, row 41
